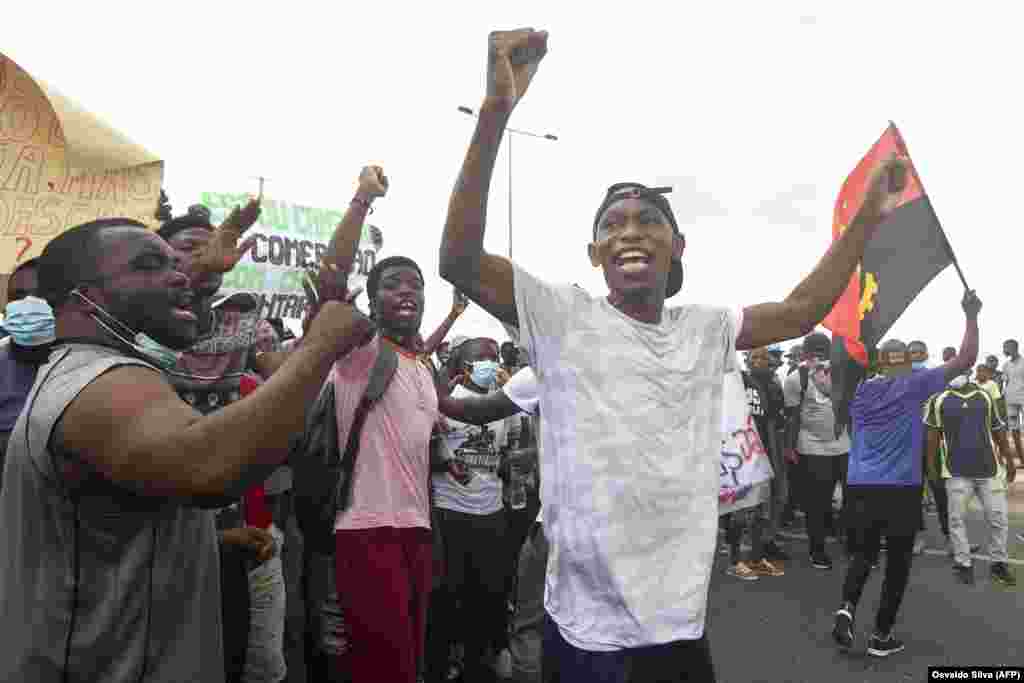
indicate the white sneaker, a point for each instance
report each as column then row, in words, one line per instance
column 919, row 546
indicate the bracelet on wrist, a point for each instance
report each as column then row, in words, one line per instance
column 365, row 203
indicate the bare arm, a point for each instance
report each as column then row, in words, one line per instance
column 341, row 249
column 964, row 360
column 131, row 426
column 478, row 410
column 513, row 58
column 486, row 278
column 458, row 308
column 812, row 299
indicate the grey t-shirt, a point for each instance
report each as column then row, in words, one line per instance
column 817, row 419
column 95, row 579
column 1013, row 373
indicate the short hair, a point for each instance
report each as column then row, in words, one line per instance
column 373, row 279
column 73, row 257
column 893, row 346
column 198, row 216
column 1011, row 341
column 458, row 353
column 918, row 342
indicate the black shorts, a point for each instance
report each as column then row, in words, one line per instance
column 890, row 511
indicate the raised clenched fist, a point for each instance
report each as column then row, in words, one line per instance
column 512, row 60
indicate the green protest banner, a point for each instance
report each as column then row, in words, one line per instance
column 288, row 238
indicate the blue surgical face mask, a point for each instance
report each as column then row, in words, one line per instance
column 485, row 373
column 919, row 364
column 30, row 322
column 145, row 345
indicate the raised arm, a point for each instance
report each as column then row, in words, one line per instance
column 478, row 410
column 964, row 360
column 131, row 426
column 459, row 303
column 812, row 299
column 341, row 249
column 331, row 275
column 513, row 57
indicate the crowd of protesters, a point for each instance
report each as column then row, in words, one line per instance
column 540, row 509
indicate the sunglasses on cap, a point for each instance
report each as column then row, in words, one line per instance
column 656, row 195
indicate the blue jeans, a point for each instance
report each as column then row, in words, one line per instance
column 676, row 662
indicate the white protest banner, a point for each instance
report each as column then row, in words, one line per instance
column 61, row 166
column 288, row 238
column 745, row 470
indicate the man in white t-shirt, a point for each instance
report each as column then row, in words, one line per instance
column 518, row 394
column 470, row 608
column 631, row 394
column 1013, row 392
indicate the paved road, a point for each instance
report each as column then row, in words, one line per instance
column 778, row 630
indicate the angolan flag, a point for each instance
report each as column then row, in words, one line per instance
column 906, row 252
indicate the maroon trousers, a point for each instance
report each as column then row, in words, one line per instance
column 384, row 579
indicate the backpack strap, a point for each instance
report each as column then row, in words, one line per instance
column 380, row 377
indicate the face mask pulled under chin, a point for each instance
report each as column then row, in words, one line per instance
column 919, row 365
column 141, row 342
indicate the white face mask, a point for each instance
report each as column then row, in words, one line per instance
column 141, row 342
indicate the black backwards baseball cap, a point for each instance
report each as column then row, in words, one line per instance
column 656, row 196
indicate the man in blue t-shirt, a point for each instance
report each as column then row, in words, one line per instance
column 885, row 476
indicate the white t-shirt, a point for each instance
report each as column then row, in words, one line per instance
column 630, row 455
column 1013, row 374
column 482, row 494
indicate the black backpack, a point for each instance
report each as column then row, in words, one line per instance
column 321, row 472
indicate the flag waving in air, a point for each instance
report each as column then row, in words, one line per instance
column 905, row 253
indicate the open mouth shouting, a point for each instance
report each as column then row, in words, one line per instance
column 407, row 309
column 181, row 308
column 632, row 261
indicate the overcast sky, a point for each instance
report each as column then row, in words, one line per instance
column 754, row 112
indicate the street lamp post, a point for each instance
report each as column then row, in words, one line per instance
column 545, row 136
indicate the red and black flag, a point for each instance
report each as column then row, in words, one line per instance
column 905, row 253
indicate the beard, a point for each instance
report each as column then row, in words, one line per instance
column 150, row 313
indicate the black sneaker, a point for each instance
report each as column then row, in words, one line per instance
column 772, row 551
column 842, row 632
column 964, row 573
column 821, row 561
column 1001, row 574
column 883, row 647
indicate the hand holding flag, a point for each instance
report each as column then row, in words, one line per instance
column 885, row 188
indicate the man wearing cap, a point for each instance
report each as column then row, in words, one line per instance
column 632, row 393
column 884, row 487
column 821, row 456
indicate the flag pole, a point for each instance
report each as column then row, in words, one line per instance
column 935, row 217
